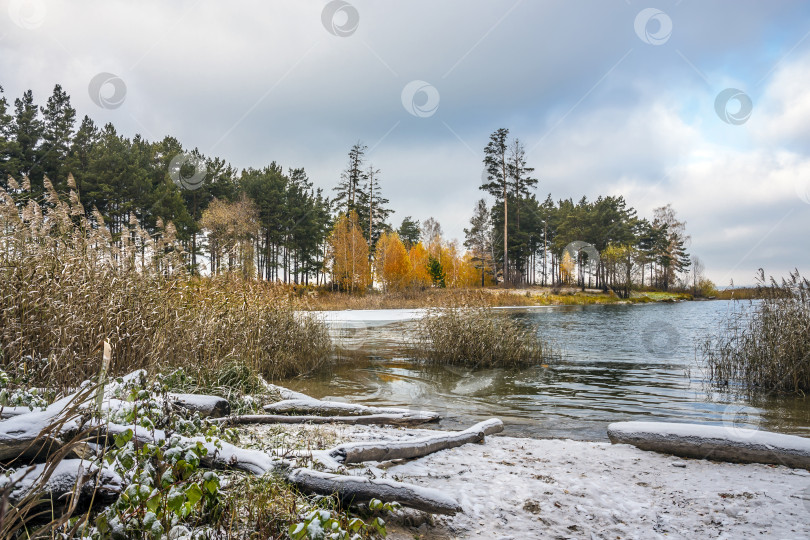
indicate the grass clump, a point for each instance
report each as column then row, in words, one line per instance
column 69, row 282
column 768, row 346
column 477, row 337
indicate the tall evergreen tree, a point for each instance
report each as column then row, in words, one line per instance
column 375, row 213
column 497, row 183
column 78, row 159
column 409, row 231
column 352, row 179
column 6, row 139
column 58, row 119
column 671, row 250
column 267, row 188
column 479, row 239
column 26, row 136
column 520, row 179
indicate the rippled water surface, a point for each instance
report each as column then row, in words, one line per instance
column 619, row 362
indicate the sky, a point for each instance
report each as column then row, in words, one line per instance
column 704, row 105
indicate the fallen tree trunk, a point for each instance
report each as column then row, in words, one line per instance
column 207, row 406
column 714, row 442
column 388, row 450
column 283, row 393
column 318, row 407
column 55, row 486
column 357, row 489
column 349, row 488
column 33, row 436
column 11, row 412
column 403, row 419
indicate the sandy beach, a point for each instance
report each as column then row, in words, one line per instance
column 515, row 488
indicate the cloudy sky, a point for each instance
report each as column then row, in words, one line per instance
column 610, row 97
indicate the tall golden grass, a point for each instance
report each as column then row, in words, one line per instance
column 68, row 282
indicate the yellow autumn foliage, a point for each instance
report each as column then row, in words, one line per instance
column 348, row 254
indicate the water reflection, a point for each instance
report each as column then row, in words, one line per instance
column 618, row 362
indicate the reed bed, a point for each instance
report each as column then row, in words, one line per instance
column 477, row 337
column 765, row 347
column 69, row 282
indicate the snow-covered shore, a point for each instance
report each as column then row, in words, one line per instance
column 547, row 488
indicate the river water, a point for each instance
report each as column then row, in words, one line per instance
column 616, row 363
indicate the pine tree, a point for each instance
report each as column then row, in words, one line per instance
column 267, row 188
column 497, row 183
column 26, row 136
column 77, row 162
column 436, row 271
column 58, row 121
column 6, row 140
column 479, row 239
column 520, row 179
column 409, row 231
column 375, row 213
column 352, row 179
column 671, row 247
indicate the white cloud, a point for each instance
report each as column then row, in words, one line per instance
column 276, row 85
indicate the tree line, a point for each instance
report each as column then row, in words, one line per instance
column 524, row 240
column 273, row 224
column 266, row 222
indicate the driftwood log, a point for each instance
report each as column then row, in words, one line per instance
column 71, row 482
column 207, row 406
column 358, row 489
column 283, row 393
column 32, row 436
column 390, row 450
column 327, row 408
column 349, row 488
column 722, row 443
column 10, row 412
column 400, row 419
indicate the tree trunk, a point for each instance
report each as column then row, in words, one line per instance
column 409, row 449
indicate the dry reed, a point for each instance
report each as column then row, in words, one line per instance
column 67, row 282
column 766, row 347
column 477, row 337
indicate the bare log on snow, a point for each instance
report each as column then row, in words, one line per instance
column 207, row 406
column 11, row 412
column 358, row 489
column 57, row 485
column 284, row 393
column 349, row 488
column 306, row 407
column 33, row 436
column 408, row 449
column 721, row 443
column 403, row 419
column 317, row 407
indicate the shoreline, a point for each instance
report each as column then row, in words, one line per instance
column 313, row 300
column 559, row 488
